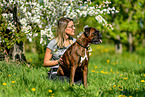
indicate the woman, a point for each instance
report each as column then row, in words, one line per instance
column 58, row 46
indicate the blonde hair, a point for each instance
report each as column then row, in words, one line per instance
column 61, row 35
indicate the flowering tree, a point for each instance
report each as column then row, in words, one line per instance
column 35, row 20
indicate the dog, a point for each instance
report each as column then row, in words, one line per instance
column 74, row 62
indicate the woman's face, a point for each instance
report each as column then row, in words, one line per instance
column 70, row 28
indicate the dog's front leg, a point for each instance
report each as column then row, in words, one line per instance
column 72, row 75
column 85, row 73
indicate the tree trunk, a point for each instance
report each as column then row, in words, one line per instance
column 19, row 48
column 130, row 41
column 118, row 45
column 17, row 52
column 143, row 44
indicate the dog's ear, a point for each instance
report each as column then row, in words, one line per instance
column 87, row 31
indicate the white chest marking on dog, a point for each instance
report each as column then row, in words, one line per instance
column 85, row 57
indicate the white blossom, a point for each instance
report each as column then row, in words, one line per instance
column 116, row 11
column 5, row 15
column 30, row 39
column 23, row 21
column 113, row 8
column 35, row 14
column 35, row 34
column 41, row 40
column 112, row 12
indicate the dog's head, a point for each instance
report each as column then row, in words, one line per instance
column 93, row 35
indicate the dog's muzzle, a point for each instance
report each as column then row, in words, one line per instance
column 98, row 39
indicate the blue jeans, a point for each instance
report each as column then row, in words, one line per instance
column 53, row 76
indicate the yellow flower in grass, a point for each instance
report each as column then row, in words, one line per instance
column 50, row 91
column 33, row 89
column 119, row 89
column 27, row 90
column 125, row 78
column 122, row 96
column 9, row 75
column 13, row 81
column 108, row 61
column 30, row 59
column 116, row 62
column 98, row 47
column 96, row 67
column 93, row 70
column 106, row 50
column 130, row 96
column 142, row 80
column 4, row 84
column 113, row 63
column 102, row 71
column 106, row 72
column 52, row 94
column 144, row 74
column 117, row 72
column 110, row 89
column 111, row 70
column 114, row 86
column 139, row 62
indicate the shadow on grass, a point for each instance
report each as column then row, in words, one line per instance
column 126, row 92
column 141, row 71
column 141, row 52
column 136, row 93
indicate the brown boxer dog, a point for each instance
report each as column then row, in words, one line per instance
column 75, row 60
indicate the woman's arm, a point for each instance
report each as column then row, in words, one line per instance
column 47, row 59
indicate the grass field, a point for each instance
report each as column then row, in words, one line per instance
column 110, row 75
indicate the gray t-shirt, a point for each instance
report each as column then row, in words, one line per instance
column 56, row 51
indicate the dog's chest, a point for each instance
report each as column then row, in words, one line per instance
column 85, row 57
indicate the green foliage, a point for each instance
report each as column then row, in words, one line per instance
column 128, row 20
column 110, row 75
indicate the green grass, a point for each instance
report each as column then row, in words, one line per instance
column 110, row 75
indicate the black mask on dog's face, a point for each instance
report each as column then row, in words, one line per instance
column 95, row 35
column 87, row 31
column 97, row 39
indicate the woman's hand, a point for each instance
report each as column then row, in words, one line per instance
column 60, row 61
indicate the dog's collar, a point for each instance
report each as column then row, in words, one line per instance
column 85, row 34
column 83, row 46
